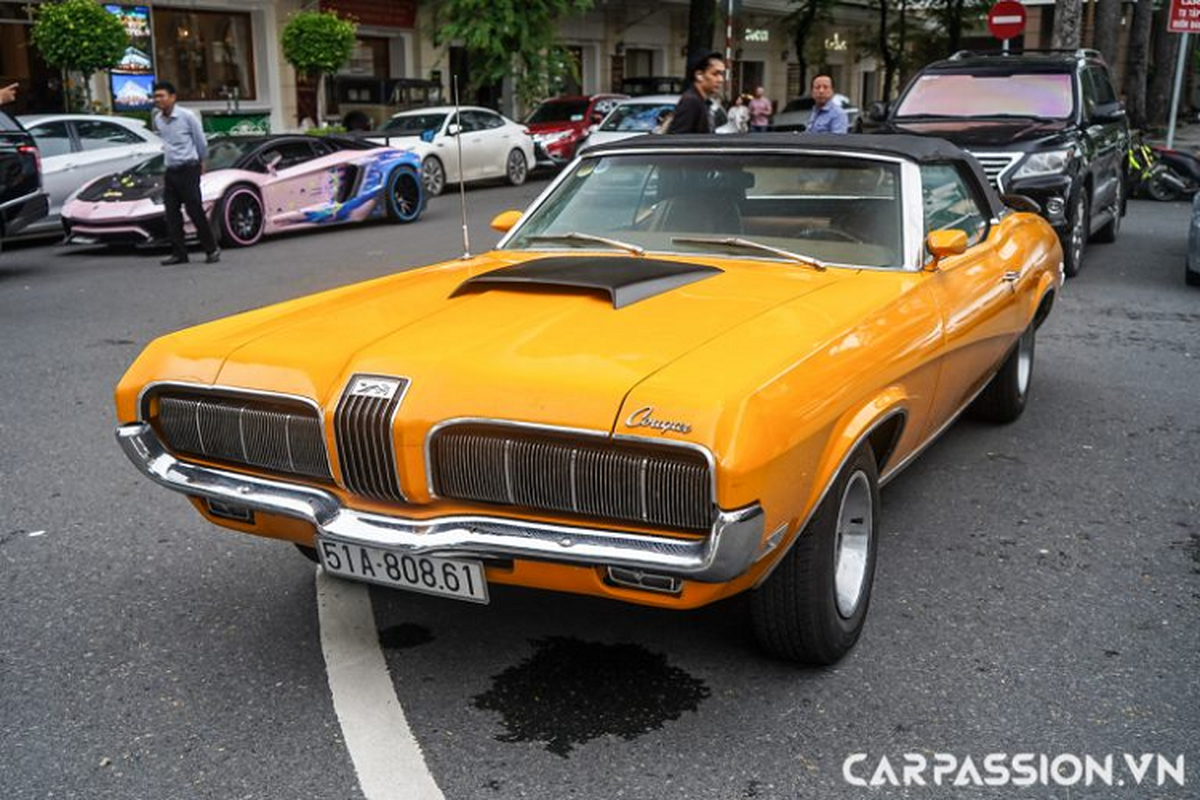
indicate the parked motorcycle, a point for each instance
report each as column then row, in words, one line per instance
column 1161, row 174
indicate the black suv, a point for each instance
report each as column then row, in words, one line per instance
column 21, row 197
column 1045, row 124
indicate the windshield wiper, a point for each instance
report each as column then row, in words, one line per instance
column 576, row 236
column 750, row 244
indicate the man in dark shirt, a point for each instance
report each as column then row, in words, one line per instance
column 692, row 113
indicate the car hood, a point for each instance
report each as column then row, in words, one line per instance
column 985, row 133
column 123, row 187
column 555, row 354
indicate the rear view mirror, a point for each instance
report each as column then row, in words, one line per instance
column 878, row 112
column 505, row 220
column 946, row 243
column 1108, row 112
column 452, row 129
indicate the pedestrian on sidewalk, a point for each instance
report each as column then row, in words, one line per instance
column 693, row 113
column 827, row 115
column 185, row 149
column 761, row 110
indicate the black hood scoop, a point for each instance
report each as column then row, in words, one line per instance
column 625, row 279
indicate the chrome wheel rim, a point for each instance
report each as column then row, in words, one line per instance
column 1024, row 361
column 516, row 167
column 853, row 545
column 245, row 217
column 433, row 176
column 406, row 195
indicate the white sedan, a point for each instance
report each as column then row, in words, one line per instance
column 493, row 146
column 78, row 148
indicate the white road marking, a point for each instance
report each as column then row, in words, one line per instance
column 385, row 753
column 36, row 533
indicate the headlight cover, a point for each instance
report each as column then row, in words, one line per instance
column 551, row 138
column 1051, row 162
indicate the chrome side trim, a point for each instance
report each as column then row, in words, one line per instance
column 728, row 550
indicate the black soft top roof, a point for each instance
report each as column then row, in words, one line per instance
column 922, row 149
column 915, row 148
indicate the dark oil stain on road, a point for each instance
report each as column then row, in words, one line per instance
column 404, row 636
column 570, row 692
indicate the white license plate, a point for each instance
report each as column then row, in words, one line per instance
column 448, row 577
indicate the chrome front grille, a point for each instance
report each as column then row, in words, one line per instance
column 278, row 436
column 995, row 165
column 362, row 428
column 667, row 486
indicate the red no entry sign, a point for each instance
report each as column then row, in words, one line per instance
column 1006, row 19
column 1184, row 16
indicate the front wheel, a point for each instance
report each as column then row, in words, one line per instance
column 433, row 176
column 240, row 217
column 404, row 195
column 812, row 608
column 1005, row 396
column 517, row 168
column 1077, row 235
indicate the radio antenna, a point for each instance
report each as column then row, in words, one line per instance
column 462, row 185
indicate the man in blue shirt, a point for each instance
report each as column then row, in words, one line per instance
column 827, row 115
column 185, row 148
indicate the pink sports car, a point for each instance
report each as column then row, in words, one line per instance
column 254, row 186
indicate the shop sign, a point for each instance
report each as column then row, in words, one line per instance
column 132, row 80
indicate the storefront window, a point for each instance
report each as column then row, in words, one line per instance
column 205, row 54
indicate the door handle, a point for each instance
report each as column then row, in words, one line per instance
column 1012, row 276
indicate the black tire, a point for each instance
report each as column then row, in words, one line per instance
column 404, row 195
column 1005, row 396
column 240, row 217
column 1162, row 184
column 433, row 176
column 1074, row 242
column 1108, row 233
column 309, row 552
column 798, row 612
column 516, row 168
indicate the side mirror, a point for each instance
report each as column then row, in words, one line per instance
column 1108, row 112
column 272, row 162
column 1021, row 202
column 878, row 112
column 505, row 220
column 597, row 118
column 945, row 243
column 452, row 129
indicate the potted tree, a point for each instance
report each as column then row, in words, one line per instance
column 317, row 43
column 78, row 36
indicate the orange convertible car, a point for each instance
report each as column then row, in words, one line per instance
column 684, row 373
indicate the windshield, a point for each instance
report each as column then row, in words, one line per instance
column 155, row 166
column 415, row 124
column 1039, row 95
column 636, row 116
column 841, row 210
column 225, row 153
column 559, row 111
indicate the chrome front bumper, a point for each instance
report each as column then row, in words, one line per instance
column 733, row 544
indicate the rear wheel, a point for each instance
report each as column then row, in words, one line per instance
column 1004, row 398
column 240, row 217
column 516, row 168
column 812, row 608
column 405, row 198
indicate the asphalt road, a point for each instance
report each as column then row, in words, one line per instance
column 1038, row 587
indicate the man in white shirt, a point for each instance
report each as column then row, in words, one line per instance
column 185, row 149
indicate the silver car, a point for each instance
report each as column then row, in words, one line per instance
column 78, row 148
